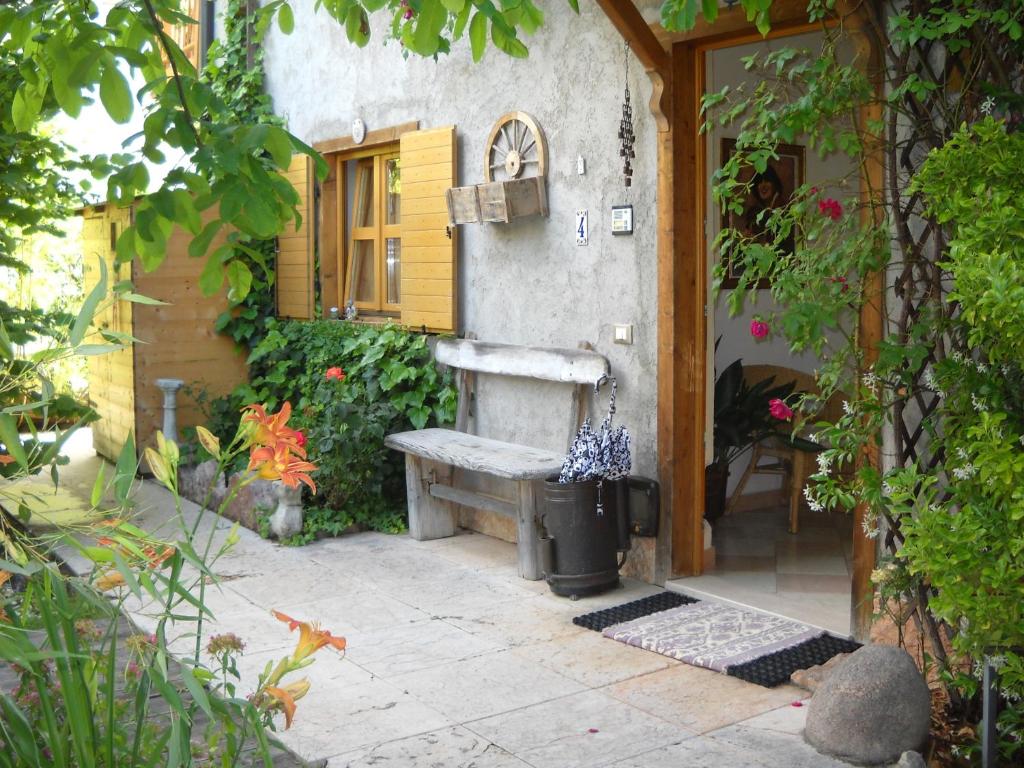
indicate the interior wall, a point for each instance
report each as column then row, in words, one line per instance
column 725, row 67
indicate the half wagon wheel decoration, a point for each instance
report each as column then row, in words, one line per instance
column 516, row 148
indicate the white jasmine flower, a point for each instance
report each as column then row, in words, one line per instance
column 957, row 356
column 962, row 453
column 813, row 503
column 824, row 460
column 987, row 106
column 871, row 382
column 966, row 472
column 982, row 368
column 978, row 403
column 847, row 408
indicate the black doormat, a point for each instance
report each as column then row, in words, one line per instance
column 599, row 620
column 776, row 668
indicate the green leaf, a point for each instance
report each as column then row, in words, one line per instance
column 115, row 94
column 710, row 10
column 28, row 101
column 239, row 280
column 279, row 145
column 478, row 36
column 455, row 6
column 429, row 23
column 510, row 45
column 201, row 242
column 12, row 440
column 92, row 301
column 357, row 26
column 285, row 19
column 97, row 488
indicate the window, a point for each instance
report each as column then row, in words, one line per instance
column 375, row 231
column 192, row 38
column 374, row 242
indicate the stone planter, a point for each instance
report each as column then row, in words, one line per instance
column 287, row 518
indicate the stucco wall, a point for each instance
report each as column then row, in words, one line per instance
column 527, row 282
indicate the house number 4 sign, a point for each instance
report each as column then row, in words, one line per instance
column 582, row 228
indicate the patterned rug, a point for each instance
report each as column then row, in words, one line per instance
column 712, row 635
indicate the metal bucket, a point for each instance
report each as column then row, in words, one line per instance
column 584, row 543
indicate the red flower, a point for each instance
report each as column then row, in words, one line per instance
column 335, row 373
column 759, row 328
column 842, row 282
column 831, row 207
column 300, row 439
column 779, row 410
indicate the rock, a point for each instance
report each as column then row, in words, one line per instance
column 911, row 760
column 251, row 499
column 194, row 483
column 287, row 518
column 812, row 677
column 872, row 708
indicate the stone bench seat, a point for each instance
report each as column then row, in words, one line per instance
column 434, row 456
column 478, row 454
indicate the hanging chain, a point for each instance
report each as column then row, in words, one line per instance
column 626, row 136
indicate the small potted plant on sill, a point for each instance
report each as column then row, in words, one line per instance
column 742, row 418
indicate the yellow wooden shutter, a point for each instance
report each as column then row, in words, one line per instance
column 429, row 267
column 295, row 248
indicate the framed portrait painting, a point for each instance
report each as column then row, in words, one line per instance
column 772, row 188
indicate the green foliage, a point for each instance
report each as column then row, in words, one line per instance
column 953, row 516
column 390, row 384
column 236, row 74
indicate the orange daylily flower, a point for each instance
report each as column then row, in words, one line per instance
column 109, row 580
column 6, row 459
column 311, row 637
column 278, row 464
column 271, row 430
column 285, row 698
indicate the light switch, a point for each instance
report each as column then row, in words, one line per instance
column 623, row 334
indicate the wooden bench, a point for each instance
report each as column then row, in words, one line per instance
column 432, row 456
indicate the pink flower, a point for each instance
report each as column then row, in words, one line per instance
column 132, row 669
column 831, row 208
column 335, row 373
column 759, row 328
column 780, row 410
column 300, row 438
column 842, row 282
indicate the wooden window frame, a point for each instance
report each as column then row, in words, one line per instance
column 378, row 232
column 337, row 152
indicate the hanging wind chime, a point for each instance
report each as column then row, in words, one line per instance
column 626, row 136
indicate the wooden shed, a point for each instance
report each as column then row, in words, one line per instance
column 176, row 340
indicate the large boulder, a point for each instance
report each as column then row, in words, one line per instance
column 872, row 708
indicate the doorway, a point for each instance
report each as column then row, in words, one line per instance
column 750, row 555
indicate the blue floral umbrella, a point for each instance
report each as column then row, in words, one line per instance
column 601, row 455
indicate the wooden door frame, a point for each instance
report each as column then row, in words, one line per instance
column 675, row 64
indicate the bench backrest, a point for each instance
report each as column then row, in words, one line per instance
column 582, row 367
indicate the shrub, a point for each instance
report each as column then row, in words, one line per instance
column 388, row 383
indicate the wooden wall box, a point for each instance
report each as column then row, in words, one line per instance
column 498, row 201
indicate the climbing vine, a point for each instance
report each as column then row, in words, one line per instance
column 236, row 75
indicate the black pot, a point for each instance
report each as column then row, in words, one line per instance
column 716, row 483
column 582, row 543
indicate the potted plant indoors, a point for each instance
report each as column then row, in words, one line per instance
column 742, row 418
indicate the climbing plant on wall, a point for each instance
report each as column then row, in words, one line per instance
column 934, row 242
column 236, row 75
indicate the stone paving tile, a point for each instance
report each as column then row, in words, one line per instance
column 593, row 660
column 583, row 730
column 463, row 592
column 448, row 748
column 347, row 614
column 413, row 647
column 477, row 551
column 775, row 748
column 336, row 717
column 699, row 752
column 485, row 685
column 526, row 621
column 699, row 699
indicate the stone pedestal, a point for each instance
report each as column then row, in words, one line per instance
column 170, row 389
column 287, row 518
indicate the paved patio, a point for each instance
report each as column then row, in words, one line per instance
column 454, row 661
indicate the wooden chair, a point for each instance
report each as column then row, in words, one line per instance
column 785, row 457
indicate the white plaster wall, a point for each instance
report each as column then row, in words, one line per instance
column 527, row 282
column 725, row 67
